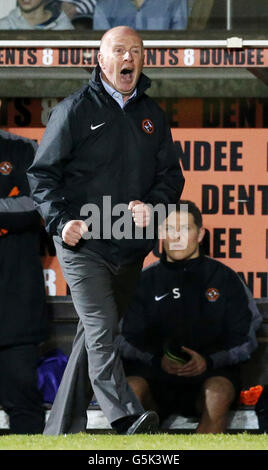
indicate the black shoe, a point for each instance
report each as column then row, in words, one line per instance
column 147, row 423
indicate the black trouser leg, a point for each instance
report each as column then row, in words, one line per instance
column 19, row 395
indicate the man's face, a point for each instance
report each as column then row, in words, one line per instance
column 121, row 59
column 181, row 236
column 30, row 5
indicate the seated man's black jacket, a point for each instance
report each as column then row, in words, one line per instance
column 201, row 304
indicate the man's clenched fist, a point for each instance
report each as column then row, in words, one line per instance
column 73, row 231
column 140, row 212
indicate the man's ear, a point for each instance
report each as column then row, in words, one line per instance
column 100, row 59
column 201, row 234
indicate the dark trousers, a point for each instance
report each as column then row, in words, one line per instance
column 101, row 292
column 19, row 395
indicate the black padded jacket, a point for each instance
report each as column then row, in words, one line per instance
column 200, row 303
column 93, row 149
column 22, row 292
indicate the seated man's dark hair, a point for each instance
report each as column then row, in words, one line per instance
column 192, row 209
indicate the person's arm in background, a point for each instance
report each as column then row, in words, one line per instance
column 179, row 17
column 238, row 322
column 199, row 15
column 17, row 215
column 17, row 210
column 100, row 20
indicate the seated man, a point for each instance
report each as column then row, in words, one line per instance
column 36, row 14
column 141, row 14
column 188, row 329
column 80, row 12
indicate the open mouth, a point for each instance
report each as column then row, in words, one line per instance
column 126, row 71
column 126, row 75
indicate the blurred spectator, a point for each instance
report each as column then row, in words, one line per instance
column 22, row 291
column 36, row 14
column 6, row 7
column 141, row 14
column 200, row 14
column 80, row 12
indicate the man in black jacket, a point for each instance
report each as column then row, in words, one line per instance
column 107, row 148
column 22, row 292
column 188, row 329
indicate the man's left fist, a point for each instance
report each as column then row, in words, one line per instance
column 141, row 213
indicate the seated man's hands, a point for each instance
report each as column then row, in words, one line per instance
column 195, row 366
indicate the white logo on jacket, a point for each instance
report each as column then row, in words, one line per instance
column 96, row 127
column 176, row 294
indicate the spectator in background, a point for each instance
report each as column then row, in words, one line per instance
column 189, row 327
column 22, row 292
column 200, row 14
column 36, row 14
column 80, row 12
column 141, row 14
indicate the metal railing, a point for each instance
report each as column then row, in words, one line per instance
column 229, row 14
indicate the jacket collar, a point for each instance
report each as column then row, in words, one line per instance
column 189, row 264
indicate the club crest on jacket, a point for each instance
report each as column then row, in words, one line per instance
column 5, row 168
column 212, row 294
column 147, row 126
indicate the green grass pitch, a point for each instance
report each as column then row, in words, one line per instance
column 83, row 441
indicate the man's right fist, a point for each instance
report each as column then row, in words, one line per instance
column 73, row 231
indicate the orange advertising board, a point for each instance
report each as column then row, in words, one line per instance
column 226, row 174
column 168, row 57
